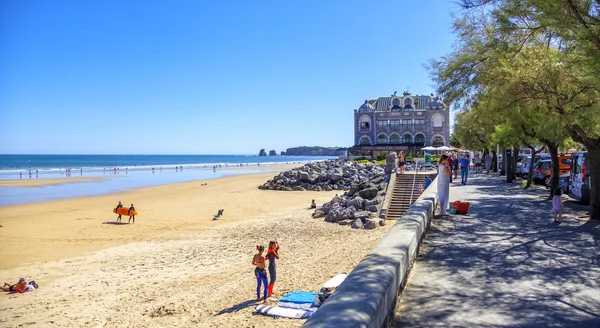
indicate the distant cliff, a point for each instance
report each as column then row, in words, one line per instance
column 314, row 151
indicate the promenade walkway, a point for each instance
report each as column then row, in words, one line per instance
column 506, row 264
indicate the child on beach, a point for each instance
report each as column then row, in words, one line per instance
column 260, row 273
column 272, row 254
column 557, row 206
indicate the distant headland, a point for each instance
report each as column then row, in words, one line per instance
column 307, row 151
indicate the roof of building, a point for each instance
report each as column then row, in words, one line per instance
column 421, row 102
column 366, row 107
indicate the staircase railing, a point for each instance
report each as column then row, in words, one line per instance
column 412, row 191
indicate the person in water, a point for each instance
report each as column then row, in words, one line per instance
column 17, row 288
column 272, row 254
column 118, row 207
column 131, row 214
column 260, row 273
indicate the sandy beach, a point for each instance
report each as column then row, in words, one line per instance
column 175, row 266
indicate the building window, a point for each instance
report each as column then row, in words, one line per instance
column 394, row 123
column 396, row 103
column 382, row 139
column 382, row 124
column 419, row 139
column 438, row 121
column 394, row 139
column 364, row 141
column 407, row 139
column 419, row 122
column 365, row 123
column 407, row 122
column 438, row 141
column 407, row 102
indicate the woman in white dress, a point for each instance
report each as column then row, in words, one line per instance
column 443, row 183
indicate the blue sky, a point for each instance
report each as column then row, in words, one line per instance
column 205, row 77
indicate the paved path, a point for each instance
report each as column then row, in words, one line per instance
column 505, row 264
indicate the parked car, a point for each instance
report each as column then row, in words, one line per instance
column 542, row 173
column 523, row 165
column 581, row 182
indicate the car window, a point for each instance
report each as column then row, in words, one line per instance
column 577, row 164
column 566, row 161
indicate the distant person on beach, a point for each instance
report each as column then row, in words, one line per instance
column 260, row 273
column 557, row 206
column 219, row 214
column 131, row 213
column 313, row 204
column 443, row 183
column 118, row 207
column 272, row 254
column 17, row 288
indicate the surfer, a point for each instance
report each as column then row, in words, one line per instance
column 260, row 273
column 131, row 213
column 272, row 254
column 117, row 210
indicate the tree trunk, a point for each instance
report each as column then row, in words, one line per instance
column 494, row 160
column 514, row 162
column 530, row 168
column 593, row 147
column 553, row 149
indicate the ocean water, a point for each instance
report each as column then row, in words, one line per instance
column 123, row 172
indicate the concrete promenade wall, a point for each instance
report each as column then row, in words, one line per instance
column 368, row 296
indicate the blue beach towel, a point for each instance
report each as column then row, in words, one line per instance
column 299, row 297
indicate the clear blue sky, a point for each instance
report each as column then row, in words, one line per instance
column 205, row 77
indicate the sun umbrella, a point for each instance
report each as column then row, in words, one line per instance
column 443, row 148
column 428, row 148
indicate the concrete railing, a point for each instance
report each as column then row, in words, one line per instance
column 388, row 196
column 368, row 296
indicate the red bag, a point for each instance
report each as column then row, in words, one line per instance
column 461, row 207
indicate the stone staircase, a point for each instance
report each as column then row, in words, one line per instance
column 400, row 200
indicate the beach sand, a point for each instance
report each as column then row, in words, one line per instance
column 175, row 266
column 44, row 182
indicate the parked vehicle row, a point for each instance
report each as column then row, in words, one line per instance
column 581, row 183
column 523, row 164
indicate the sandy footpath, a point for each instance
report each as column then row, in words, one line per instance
column 174, row 267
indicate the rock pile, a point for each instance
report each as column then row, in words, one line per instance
column 365, row 186
column 326, row 176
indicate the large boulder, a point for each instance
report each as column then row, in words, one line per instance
column 368, row 193
column 318, row 214
column 357, row 224
column 371, row 208
column 370, row 224
column 362, row 215
column 357, row 203
column 303, row 175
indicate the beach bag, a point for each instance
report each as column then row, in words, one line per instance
column 460, row 207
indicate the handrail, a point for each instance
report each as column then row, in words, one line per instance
column 412, row 191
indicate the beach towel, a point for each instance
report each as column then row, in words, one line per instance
column 299, row 297
column 299, row 306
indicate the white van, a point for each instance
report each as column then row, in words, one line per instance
column 581, row 182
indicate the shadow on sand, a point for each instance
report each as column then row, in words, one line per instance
column 115, row 223
column 237, row 307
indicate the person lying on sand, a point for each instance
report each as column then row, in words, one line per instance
column 18, row 287
column 219, row 214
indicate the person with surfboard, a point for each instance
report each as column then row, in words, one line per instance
column 117, row 211
column 260, row 273
column 131, row 213
column 272, row 254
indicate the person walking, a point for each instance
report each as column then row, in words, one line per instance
column 488, row 162
column 464, row 168
column 443, row 183
column 131, row 214
column 451, row 162
column 401, row 162
column 557, row 205
column 117, row 211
